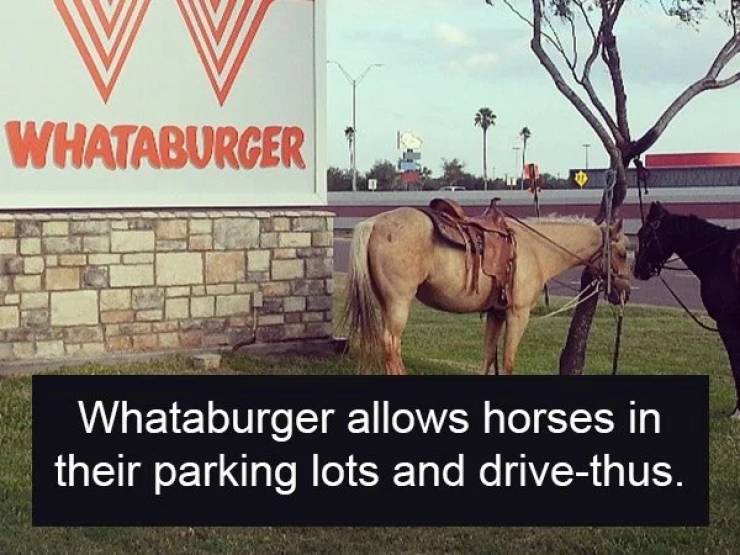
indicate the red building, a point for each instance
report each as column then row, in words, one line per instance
column 678, row 171
column 693, row 160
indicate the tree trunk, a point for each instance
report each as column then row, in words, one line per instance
column 524, row 154
column 573, row 355
column 524, row 162
column 485, row 162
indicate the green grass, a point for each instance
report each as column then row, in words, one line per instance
column 656, row 341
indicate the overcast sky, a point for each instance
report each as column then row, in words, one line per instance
column 444, row 59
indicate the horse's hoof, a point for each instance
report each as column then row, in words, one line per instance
column 736, row 415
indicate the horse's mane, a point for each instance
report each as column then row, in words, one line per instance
column 555, row 219
column 695, row 224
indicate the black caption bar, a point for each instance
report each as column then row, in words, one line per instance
column 287, row 450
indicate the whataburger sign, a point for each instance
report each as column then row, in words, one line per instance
column 128, row 103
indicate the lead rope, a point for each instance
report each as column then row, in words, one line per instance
column 686, row 308
column 535, row 191
column 575, row 301
column 642, row 181
column 618, row 338
column 611, row 179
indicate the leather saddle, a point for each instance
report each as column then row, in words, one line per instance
column 488, row 242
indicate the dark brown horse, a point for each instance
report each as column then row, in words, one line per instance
column 713, row 254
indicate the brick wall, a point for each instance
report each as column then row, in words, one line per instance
column 81, row 284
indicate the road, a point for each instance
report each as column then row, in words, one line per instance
column 652, row 292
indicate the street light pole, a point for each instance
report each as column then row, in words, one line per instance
column 354, row 83
column 354, row 135
column 586, row 146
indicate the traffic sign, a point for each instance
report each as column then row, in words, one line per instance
column 581, row 178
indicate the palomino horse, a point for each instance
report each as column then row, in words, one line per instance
column 398, row 255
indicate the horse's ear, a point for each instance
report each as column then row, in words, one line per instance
column 656, row 210
column 616, row 228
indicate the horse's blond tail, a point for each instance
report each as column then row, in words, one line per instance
column 361, row 309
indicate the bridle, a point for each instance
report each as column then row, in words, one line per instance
column 609, row 262
column 653, row 239
column 653, row 242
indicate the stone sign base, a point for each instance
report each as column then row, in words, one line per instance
column 82, row 284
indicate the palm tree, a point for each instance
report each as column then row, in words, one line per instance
column 485, row 118
column 349, row 134
column 525, row 134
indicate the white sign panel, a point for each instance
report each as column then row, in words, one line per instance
column 410, row 141
column 162, row 103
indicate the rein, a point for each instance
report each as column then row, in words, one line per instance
column 589, row 263
column 686, row 308
column 677, row 258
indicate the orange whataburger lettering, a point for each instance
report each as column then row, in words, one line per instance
column 28, row 144
column 250, row 155
column 99, row 147
column 269, row 146
column 122, row 134
column 197, row 160
column 170, row 148
column 74, row 145
column 293, row 139
column 145, row 146
column 227, row 139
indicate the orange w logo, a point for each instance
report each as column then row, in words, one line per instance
column 223, row 31
column 103, row 32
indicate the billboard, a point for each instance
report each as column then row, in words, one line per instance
column 167, row 103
